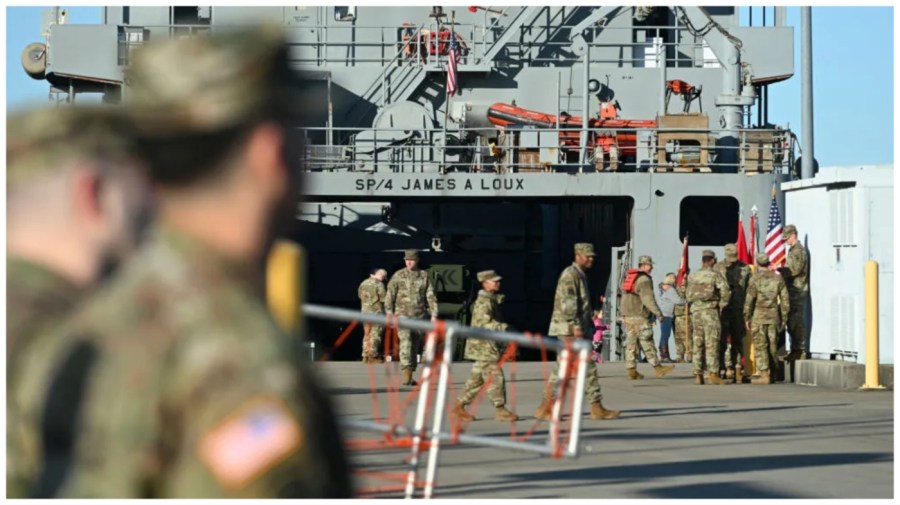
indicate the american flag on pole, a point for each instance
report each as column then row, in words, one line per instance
column 774, row 242
column 452, row 62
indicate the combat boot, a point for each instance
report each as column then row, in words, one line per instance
column 698, row 379
column 729, row 374
column 407, row 379
column 679, row 359
column 739, row 377
column 503, row 414
column 634, row 375
column 763, row 378
column 460, row 411
column 544, row 411
column 377, row 360
column 663, row 370
column 714, row 378
column 598, row 412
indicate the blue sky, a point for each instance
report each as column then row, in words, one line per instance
column 853, row 70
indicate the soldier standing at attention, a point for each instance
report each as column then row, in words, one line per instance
column 410, row 294
column 796, row 277
column 737, row 274
column 766, row 296
column 486, row 353
column 708, row 294
column 682, row 324
column 571, row 319
column 371, row 296
column 77, row 204
column 637, row 306
column 178, row 382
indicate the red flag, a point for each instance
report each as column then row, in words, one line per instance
column 683, row 269
column 742, row 253
column 752, row 245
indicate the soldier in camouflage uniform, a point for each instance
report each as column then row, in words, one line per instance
column 708, row 294
column 682, row 324
column 77, row 202
column 180, row 381
column 766, row 296
column 371, row 296
column 796, row 277
column 737, row 274
column 636, row 308
column 486, row 353
column 410, row 294
column 572, row 319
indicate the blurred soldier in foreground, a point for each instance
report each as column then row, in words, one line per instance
column 410, row 294
column 179, row 380
column 765, row 310
column 486, row 353
column 638, row 304
column 731, row 351
column 708, row 294
column 77, row 202
column 572, row 319
column 796, row 277
column 371, row 297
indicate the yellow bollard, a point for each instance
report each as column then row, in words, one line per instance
column 284, row 291
column 872, row 359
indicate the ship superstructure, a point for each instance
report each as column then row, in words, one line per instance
column 628, row 127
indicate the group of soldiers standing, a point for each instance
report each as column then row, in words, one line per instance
column 721, row 299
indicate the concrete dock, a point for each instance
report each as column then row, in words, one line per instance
column 674, row 439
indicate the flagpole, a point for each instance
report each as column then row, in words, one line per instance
column 446, row 92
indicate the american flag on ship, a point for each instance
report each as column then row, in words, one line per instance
column 774, row 242
column 452, row 62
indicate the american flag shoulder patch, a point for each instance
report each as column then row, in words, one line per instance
column 253, row 439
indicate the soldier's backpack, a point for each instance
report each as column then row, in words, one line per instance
column 630, row 280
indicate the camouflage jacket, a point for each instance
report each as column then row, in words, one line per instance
column 707, row 290
column 371, row 295
column 642, row 302
column 181, row 385
column 486, row 314
column 766, row 294
column 737, row 275
column 796, row 271
column 37, row 300
column 571, row 304
column 682, row 292
column 411, row 294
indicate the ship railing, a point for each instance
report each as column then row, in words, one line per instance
column 523, row 150
column 434, row 397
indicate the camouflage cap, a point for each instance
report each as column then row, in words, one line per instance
column 731, row 252
column 788, row 230
column 670, row 279
column 488, row 275
column 410, row 254
column 645, row 260
column 211, row 82
column 39, row 140
column 762, row 259
column 708, row 253
column 585, row 248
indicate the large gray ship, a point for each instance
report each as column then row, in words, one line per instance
column 628, row 127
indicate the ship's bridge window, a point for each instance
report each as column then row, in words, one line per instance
column 708, row 220
column 344, row 13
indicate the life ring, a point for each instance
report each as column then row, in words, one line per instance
column 34, row 60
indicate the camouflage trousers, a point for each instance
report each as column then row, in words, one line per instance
column 409, row 347
column 765, row 344
column 731, row 349
column 796, row 325
column 639, row 331
column 706, row 340
column 371, row 347
column 482, row 372
column 682, row 335
column 591, row 384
